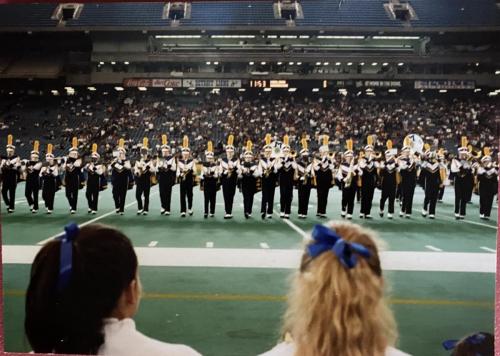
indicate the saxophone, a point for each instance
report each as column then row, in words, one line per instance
column 267, row 172
column 348, row 179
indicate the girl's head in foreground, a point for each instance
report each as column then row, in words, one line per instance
column 336, row 305
column 478, row 344
column 65, row 307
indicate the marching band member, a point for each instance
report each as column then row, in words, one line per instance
column 476, row 163
column 10, row 168
column 286, row 168
column 49, row 175
column 433, row 176
column 166, row 171
column 186, row 176
column 346, row 175
column 32, row 169
column 368, row 177
column 120, row 177
column 72, row 175
column 487, row 176
column 407, row 168
column 323, row 170
column 95, row 176
column 442, row 159
column 306, row 179
column 423, row 161
column 248, row 172
column 209, row 181
column 387, row 172
column 229, row 178
column 463, row 180
column 267, row 167
column 144, row 170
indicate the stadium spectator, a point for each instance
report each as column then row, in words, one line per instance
column 84, row 291
column 104, row 119
column 478, row 344
column 336, row 305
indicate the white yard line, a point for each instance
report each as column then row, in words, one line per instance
column 93, row 220
column 432, row 248
column 297, row 229
column 153, row 243
column 281, row 258
column 301, row 232
column 487, row 249
column 470, row 222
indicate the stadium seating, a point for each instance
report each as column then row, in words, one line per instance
column 359, row 13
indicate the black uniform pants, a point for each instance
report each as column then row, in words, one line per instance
column 268, row 189
column 388, row 193
column 166, row 182
column 49, row 191
column 143, row 188
column 367, row 191
column 210, row 194
column 304, row 195
column 92, row 195
column 248, row 185
column 120, row 187
column 407, row 193
column 72, row 195
column 31, row 190
column 9, row 186
column 186, row 194
column 487, row 191
column 348, row 196
column 228, row 191
column 286, row 197
column 462, row 186
column 431, row 197
column 322, row 192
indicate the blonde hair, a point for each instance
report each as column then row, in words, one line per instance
column 333, row 310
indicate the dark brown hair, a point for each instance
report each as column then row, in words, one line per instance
column 71, row 321
column 479, row 344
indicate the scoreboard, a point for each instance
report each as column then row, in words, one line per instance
column 265, row 83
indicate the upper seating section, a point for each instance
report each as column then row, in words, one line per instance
column 317, row 13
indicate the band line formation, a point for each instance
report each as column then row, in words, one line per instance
column 356, row 174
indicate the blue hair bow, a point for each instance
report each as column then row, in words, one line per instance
column 66, row 255
column 326, row 239
column 475, row 339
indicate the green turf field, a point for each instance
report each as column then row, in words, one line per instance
column 219, row 285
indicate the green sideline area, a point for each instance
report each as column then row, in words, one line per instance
column 233, row 310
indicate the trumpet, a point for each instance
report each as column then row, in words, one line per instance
column 477, row 156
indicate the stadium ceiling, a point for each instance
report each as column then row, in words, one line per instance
column 328, row 16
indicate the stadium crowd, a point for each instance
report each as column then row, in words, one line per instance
column 104, row 119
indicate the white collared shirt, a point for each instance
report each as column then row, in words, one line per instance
column 167, row 163
column 288, row 349
column 184, row 166
column 122, row 339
